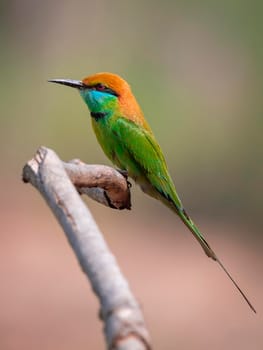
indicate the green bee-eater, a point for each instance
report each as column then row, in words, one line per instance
column 129, row 143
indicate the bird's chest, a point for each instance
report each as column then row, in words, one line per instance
column 108, row 139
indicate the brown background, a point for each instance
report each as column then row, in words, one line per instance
column 196, row 70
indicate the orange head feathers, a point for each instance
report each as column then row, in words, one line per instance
column 127, row 104
column 108, row 93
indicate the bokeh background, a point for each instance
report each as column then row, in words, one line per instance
column 196, row 68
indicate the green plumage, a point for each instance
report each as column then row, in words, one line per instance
column 129, row 143
column 134, row 149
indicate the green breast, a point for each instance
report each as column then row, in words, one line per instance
column 106, row 138
column 115, row 148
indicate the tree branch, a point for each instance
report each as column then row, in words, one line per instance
column 102, row 183
column 123, row 321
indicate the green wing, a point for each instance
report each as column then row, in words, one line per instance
column 139, row 153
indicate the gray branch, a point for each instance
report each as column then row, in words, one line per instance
column 100, row 182
column 123, row 321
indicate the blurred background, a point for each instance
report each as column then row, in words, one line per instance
column 196, row 69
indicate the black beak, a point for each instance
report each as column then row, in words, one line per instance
column 69, row 82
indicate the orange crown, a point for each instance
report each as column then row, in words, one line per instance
column 129, row 107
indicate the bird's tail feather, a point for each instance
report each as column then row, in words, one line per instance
column 197, row 234
column 208, row 250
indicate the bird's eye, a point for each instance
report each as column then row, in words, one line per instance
column 104, row 88
column 100, row 87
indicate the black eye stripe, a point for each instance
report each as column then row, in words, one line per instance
column 102, row 88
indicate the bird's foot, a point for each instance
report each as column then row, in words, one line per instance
column 125, row 174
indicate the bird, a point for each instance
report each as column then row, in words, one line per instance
column 128, row 141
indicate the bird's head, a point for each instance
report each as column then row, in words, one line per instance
column 107, row 93
column 104, row 91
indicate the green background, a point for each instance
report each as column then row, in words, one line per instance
column 196, row 70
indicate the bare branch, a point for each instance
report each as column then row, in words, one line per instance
column 103, row 183
column 123, row 321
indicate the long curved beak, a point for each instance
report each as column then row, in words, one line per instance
column 69, row 82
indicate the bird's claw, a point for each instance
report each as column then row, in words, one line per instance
column 125, row 174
